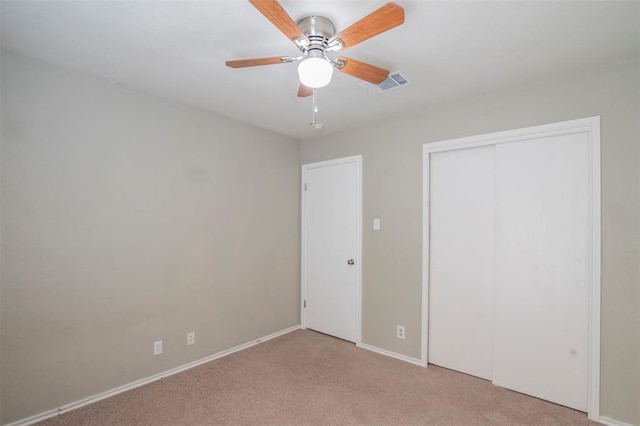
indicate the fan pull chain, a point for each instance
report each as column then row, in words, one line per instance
column 314, row 123
column 315, row 103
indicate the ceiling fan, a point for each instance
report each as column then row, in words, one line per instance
column 315, row 36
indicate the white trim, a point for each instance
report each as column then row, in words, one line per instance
column 591, row 125
column 395, row 355
column 612, row 422
column 115, row 391
column 542, row 131
column 303, row 223
column 425, row 257
column 595, row 260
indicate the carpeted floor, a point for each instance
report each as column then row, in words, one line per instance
column 306, row 377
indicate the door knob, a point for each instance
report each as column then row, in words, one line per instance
column 351, row 262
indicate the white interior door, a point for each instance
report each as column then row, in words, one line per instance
column 461, row 265
column 542, row 268
column 331, row 247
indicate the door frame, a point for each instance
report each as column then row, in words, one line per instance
column 591, row 126
column 357, row 159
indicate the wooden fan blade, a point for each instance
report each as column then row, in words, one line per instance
column 274, row 12
column 304, row 91
column 363, row 71
column 254, row 62
column 383, row 19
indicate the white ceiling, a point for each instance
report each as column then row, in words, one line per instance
column 450, row 49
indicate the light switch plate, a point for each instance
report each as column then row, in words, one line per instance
column 376, row 224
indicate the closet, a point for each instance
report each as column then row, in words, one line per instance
column 511, row 258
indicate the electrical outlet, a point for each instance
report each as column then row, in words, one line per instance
column 400, row 332
column 157, row 347
column 191, row 337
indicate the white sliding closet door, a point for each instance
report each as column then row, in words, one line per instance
column 542, row 268
column 462, row 249
column 513, row 250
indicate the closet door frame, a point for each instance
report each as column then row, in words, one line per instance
column 590, row 126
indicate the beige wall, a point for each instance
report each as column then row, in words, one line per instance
column 128, row 219
column 392, row 165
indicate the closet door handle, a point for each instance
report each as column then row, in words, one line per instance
column 351, row 262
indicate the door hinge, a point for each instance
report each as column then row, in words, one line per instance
column 305, row 303
column 305, row 186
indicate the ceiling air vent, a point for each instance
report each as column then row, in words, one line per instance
column 394, row 81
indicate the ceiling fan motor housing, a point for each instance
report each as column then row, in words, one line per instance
column 318, row 31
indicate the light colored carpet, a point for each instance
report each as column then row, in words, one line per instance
column 306, row 377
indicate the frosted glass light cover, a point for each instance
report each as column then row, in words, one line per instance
column 315, row 72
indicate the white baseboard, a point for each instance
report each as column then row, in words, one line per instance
column 95, row 398
column 612, row 422
column 395, row 355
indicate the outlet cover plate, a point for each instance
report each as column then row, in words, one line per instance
column 157, row 347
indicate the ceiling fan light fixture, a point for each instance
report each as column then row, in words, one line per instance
column 315, row 72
